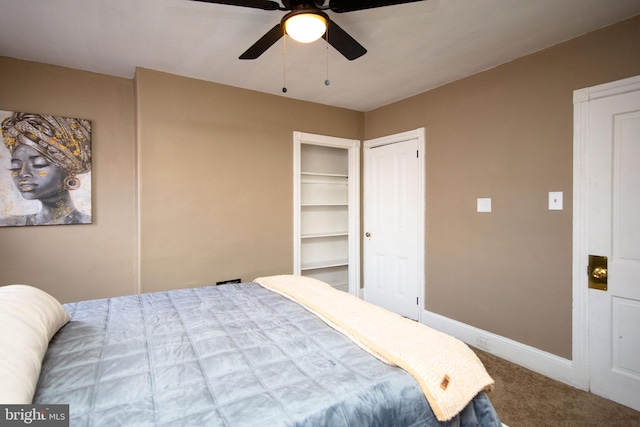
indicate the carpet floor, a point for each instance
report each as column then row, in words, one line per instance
column 525, row 398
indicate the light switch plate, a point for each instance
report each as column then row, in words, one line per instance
column 555, row 200
column 484, row 205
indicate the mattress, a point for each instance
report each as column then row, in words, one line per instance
column 231, row 355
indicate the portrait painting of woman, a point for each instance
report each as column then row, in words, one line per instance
column 45, row 170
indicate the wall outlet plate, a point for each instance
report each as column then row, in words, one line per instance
column 483, row 343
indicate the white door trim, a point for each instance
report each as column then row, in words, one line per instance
column 580, row 333
column 418, row 134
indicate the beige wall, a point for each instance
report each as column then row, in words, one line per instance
column 216, row 182
column 78, row 262
column 215, row 188
column 507, row 134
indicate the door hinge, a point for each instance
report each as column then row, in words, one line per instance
column 417, row 301
column 417, row 151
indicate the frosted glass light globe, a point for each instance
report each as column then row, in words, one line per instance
column 305, row 27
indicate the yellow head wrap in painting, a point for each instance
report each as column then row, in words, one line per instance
column 65, row 141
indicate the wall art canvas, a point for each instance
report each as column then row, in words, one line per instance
column 45, row 170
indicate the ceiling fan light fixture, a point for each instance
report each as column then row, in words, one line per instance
column 305, row 27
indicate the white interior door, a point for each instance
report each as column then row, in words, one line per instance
column 614, row 231
column 393, row 223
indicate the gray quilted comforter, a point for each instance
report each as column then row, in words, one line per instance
column 232, row 355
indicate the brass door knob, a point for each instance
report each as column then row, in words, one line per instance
column 367, row 234
column 599, row 273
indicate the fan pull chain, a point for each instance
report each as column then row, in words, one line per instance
column 327, row 82
column 284, row 64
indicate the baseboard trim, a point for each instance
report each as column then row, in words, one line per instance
column 542, row 362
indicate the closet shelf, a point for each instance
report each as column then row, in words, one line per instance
column 324, row 264
column 317, row 235
column 313, row 205
column 334, row 175
column 343, row 183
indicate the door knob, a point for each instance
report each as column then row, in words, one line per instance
column 599, row 273
column 367, row 234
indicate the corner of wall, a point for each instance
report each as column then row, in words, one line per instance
column 137, row 131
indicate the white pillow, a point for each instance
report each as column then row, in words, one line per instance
column 29, row 318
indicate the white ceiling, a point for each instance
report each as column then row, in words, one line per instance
column 412, row 47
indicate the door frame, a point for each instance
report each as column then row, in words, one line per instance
column 580, row 315
column 352, row 146
column 418, row 134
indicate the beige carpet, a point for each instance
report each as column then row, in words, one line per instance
column 525, row 398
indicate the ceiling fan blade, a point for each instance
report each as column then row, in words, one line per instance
column 343, row 42
column 340, row 6
column 265, row 42
column 256, row 4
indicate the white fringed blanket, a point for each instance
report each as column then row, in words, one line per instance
column 448, row 372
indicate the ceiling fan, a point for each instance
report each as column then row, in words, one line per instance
column 306, row 22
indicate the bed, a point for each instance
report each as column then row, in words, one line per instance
column 249, row 354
